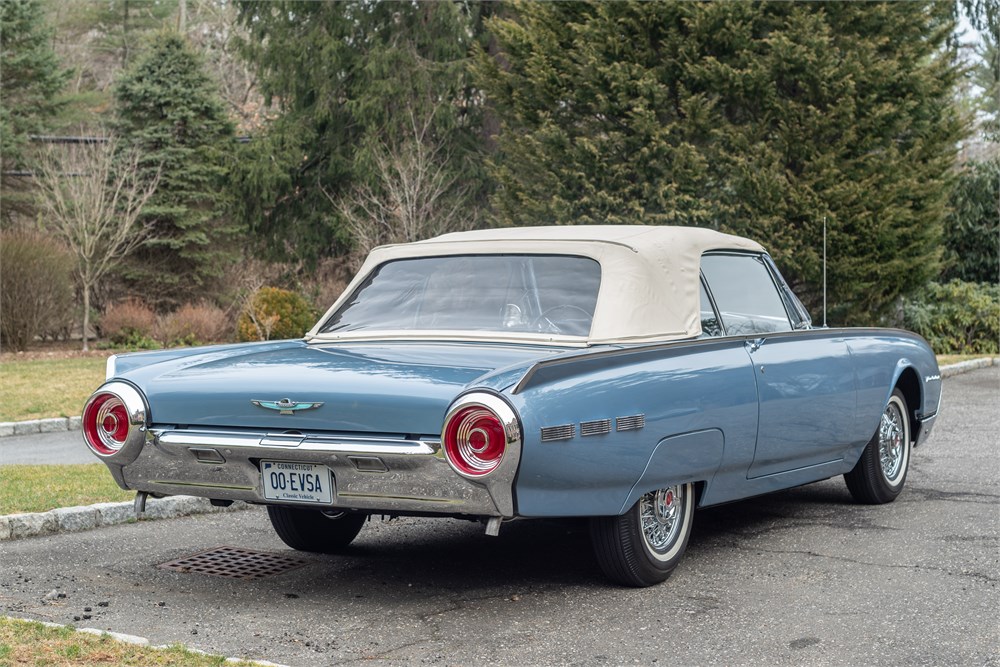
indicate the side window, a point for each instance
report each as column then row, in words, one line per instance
column 744, row 291
column 710, row 325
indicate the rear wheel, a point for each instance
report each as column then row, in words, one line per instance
column 315, row 530
column 880, row 473
column 643, row 546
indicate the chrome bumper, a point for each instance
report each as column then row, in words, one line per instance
column 370, row 474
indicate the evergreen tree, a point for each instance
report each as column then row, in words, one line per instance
column 972, row 230
column 759, row 119
column 349, row 82
column 31, row 79
column 168, row 108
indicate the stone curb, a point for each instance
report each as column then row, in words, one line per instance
column 33, row 426
column 73, row 423
column 142, row 641
column 970, row 365
column 87, row 517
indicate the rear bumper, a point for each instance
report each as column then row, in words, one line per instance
column 370, row 474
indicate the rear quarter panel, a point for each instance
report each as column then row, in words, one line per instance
column 684, row 392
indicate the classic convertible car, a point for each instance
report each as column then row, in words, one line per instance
column 624, row 373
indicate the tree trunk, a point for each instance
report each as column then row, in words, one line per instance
column 86, row 315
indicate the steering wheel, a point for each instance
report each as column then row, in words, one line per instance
column 579, row 326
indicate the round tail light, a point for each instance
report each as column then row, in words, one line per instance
column 112, row 418
column 477, row 432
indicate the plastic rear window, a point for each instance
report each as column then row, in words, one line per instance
column 548, row 294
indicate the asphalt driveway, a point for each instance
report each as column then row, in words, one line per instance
column 799, row 577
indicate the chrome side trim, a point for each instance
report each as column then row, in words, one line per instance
column 631, row 423
column 561, row 432
column 595, row 427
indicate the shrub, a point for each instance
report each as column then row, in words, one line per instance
column 129, row 323
column 957, row 317
column 36, row 287
column 275, row 313
column 193, row 324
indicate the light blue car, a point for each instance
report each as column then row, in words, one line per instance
column 624, row 373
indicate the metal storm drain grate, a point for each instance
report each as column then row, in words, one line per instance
column 235, row 563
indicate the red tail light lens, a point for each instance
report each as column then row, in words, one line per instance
column 106, row 423
column 474, row 441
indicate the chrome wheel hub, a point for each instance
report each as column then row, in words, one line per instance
column 891, row 447
column 661, row 515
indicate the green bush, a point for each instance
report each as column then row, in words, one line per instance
column 956, row 317
column 275, row 313
column 36, row 287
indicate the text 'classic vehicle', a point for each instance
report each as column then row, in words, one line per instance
column 628, row 374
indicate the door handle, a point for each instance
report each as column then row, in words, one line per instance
column 754, row 345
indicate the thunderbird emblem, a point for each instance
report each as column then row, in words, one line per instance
column 287, row 406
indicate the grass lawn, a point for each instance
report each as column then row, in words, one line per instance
column 40, row 488
column 31, row 643
column 946, row 359
column 42, row 388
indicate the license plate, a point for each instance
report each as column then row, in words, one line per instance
column 297, row 482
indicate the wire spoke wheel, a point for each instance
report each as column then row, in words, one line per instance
column 880, row 473
column 643, row 546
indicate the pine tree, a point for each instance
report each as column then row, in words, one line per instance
column 31, row 78
column 759, row 119
column 169, row 109
column 349, row 82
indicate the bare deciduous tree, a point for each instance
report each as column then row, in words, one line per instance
column 416, row 196
column 90, row 198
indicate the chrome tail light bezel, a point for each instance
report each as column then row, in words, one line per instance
column 98, row 435
column 499, row 478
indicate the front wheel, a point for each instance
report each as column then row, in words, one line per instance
column 880, row 473
column 315, row 530
column 643, row 546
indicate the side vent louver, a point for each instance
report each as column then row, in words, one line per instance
column 596, row 427
column 562, row 432
column 630, row 423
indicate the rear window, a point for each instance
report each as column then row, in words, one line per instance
column 552, row 294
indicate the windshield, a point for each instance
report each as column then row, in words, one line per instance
column 508, row 293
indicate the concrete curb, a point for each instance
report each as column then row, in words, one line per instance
column 142, row 641
column 87, row 517
column 73, row 423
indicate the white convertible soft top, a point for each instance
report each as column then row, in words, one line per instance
column 649, row 278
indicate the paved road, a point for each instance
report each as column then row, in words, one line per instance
column 799, row 577
column 45, row 448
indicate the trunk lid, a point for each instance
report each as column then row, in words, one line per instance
column 365, row 388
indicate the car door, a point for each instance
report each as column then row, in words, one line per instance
column 805, row 378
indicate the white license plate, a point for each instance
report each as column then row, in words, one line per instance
column 296, row 482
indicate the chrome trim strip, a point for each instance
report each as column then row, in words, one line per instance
column 303, row 443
